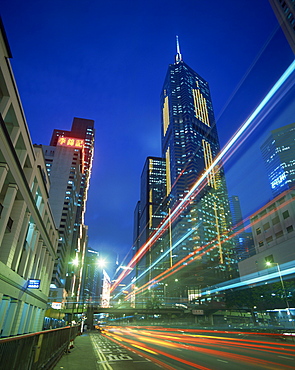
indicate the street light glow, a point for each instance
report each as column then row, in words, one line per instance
column 75, row 261
column 101, row 262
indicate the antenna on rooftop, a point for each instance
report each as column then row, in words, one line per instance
column 178, row 57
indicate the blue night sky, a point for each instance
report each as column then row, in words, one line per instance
column 107, row 60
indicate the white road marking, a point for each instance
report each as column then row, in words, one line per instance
column 288, row 358
column 222, row 361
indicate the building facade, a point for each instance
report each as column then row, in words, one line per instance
column 285, row 13
column 74, row 150
column 64, row 167
column 273, row 230
column 278, row 156
column 28, row 234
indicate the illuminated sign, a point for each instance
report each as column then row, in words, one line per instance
column 34, row 283
column 278, row 180
column 56, row 305
column 70, row 142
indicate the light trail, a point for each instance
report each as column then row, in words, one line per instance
column 201, row 251
column 202, row 180
column 213, row 346
column 159, row 259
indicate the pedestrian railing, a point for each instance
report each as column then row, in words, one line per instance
column 36, row 351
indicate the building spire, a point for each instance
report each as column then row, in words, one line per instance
column 178, row 57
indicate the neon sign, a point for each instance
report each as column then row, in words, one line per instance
column 71, row 142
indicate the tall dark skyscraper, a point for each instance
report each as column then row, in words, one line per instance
column 189, row 241
column 189, row 145
column 278, row 155
column 148, row 211
column 189, row 135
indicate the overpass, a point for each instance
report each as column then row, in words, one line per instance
column 79, row 309
column 126, row 311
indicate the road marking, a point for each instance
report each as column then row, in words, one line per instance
column 288, row 358
column 222, row 361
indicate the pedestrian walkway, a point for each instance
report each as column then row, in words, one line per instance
column 81, row 357
column 93, row 351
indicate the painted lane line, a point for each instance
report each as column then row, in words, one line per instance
column 288, row 358
column 222, row 360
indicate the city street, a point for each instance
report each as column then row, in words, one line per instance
column 184, row 349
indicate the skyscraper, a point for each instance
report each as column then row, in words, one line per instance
column 81, row 129
column 64, row 167
column 81, row 139
column 278, row 155
column 153, row 185
column 189, row 145
column 149, row 212
column 186, row 237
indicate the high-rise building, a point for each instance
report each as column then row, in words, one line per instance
column 278, row 155
column 153, row 186
column 64, row 167
column 285, row 13
column 81, row 129
column 149, row 213
column 92, row 285
column 81, row 141
column 189, row 145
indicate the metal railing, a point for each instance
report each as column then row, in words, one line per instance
column 36, row 351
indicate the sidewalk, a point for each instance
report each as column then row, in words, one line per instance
column 81, row 357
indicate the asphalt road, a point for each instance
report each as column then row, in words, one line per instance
column 150, row 348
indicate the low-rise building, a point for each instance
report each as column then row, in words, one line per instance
column 273, row 230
